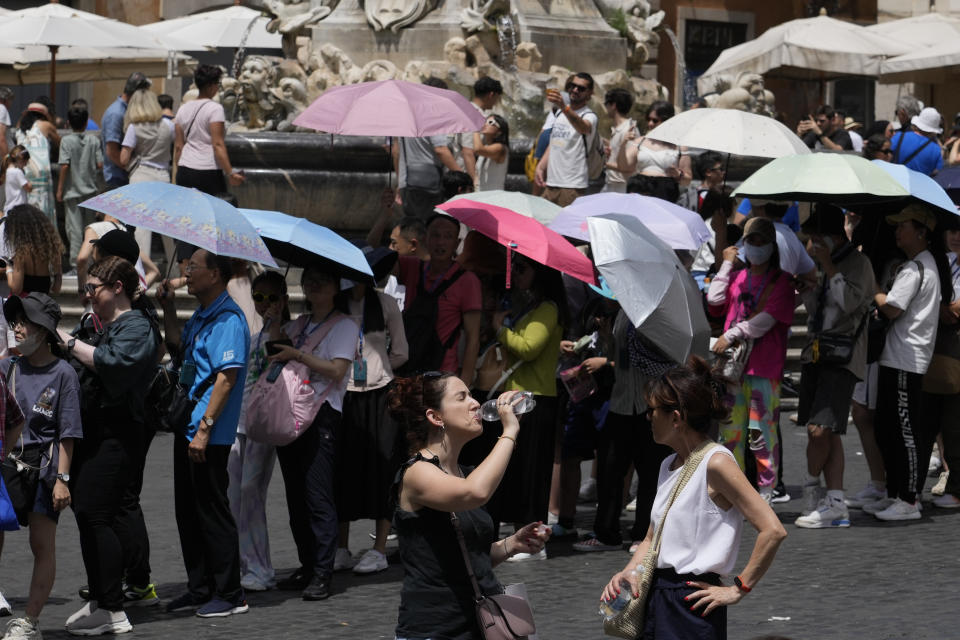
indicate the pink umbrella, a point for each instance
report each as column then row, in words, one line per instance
column 390, row 108
column 522, row 234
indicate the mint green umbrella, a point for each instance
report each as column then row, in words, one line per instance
column 543, row 211
column 837, row 178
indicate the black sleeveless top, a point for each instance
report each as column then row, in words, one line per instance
column 40, row 284
column 436, row 600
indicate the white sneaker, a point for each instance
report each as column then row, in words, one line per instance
column 588, row 490
column 941, row 486
column 828, row 514
column 899, row 510
column 22, row 629
column 524, row 557
column 868, row 494
column 5, row 609
column 934, row 466
column 812, row 496
column 88, row 607
column 100, row 622
column 877, row 505
column 371, row 562
column 343, row 560
column 631, row 506
column 947, row 501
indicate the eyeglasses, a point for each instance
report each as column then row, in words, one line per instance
column 260, row 296
column 889, row 151
column 91, row 289
column 19, row 323
column 193, row 267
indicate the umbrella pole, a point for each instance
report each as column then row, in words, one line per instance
column 53, row 74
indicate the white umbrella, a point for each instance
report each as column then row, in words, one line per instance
column 921, row 31
column 808, row 48
column 31, row 65
column 652, row 287
column 730, row 131
column 234, row 26
column 939, row 63
column 54, row 25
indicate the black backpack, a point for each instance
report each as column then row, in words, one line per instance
column 420, row 326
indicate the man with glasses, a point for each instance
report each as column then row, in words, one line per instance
column 563, row 168
column 214, row 347
column 823, row 132
column 486, row 95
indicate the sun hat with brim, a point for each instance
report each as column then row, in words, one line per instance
column 928, row 120
column 917, row 213
column 825, row 219
column 38, row 308
column 760, row 227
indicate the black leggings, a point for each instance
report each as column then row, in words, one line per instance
column 105, row 474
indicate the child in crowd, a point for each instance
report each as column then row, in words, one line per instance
column 16, row 185
column 80, row 160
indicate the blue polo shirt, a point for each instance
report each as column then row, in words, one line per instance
column 929, row 159
column 113, row 132
column 222, row 341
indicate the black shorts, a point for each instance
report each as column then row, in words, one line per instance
column 825, row 395
column 28, row 493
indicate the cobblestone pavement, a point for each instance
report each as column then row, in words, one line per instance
column 874, row 580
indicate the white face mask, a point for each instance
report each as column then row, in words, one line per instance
column 30, row 345
column 757, row 254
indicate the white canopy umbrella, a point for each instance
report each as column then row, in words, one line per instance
column 54, row 25
column 920, row 31
column 730, row 131
column 807, row 48
column 31, row 65
column 235, row 26
column 939, row 63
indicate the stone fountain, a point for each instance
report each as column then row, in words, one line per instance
column 528, row 45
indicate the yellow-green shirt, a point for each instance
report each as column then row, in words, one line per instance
column 536, row 340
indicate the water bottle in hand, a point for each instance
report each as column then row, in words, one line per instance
column 489, row 413
column 612, row 608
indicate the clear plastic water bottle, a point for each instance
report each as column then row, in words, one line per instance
column 489, row 413
column 611, row 609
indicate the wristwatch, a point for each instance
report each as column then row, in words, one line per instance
column 63, row 476
column 70, row 344
column 744, row 588
column 208, row 421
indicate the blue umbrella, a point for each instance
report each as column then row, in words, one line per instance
column 921, row 186
column 184, row 214
column 303, row 243
column 949, row 179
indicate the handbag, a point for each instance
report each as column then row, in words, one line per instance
column 837, row 348
column 737, row 354
column 630, row 621
column 500, row 616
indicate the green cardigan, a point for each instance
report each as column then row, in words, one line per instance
column 535, row 339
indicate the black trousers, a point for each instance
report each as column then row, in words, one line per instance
column 624, row 440
column 130, row 525
column 208, row 533
column 103, row 477
column 307, row 465
column 207, row 180
column 904, row 434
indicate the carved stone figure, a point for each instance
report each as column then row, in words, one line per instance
column 528, row 57
column 257, row 76
column 641, row 26
column 292, row 17
column 747, row 93
column 476, row 17
column 292, row 95
column 394, row 15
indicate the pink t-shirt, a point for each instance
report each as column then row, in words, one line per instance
column 769, row 351
column 194, row 119
column 462, row 296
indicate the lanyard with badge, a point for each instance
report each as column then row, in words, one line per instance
column 359, row 362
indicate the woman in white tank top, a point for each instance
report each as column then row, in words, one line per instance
column 662, row 167
column 701, row 532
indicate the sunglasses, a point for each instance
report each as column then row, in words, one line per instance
column 577, row 87
column 493, row 123
column 91, row 289
column 260, row 296
column 889, row 151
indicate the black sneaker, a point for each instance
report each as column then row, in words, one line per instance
column 780, row 494
column 318, row 589
column 186, row 602
column 296, row 581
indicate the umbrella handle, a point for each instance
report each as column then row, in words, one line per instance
column 510, row 247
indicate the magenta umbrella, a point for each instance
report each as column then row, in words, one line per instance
column 522, row 234
column 390, row 108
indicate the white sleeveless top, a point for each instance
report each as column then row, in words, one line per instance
column 657, row 159
column 698, row 537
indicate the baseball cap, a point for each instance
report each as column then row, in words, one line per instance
column 761, row 227
column 137, row 80
column 120, row 243
column 915, row 212
column 38, row 308
column 928, row 120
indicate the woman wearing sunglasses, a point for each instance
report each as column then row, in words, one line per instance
column 111, row 457
column 492, row 144
column 439, row 416
column 250, row 465
column 659, row 168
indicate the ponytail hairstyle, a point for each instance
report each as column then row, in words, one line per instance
column 409, row 400
column 695, row 390
column 275, row 279
column 17, row 154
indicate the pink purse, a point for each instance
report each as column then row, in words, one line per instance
column 500, row 616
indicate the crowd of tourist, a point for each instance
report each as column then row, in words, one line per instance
column 398, row 370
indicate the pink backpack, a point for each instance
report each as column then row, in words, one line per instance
column 278, row 412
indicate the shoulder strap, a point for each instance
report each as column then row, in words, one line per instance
column 761, row 303
column 207, row 382
column 321, row 332
column 466, row 556
column 443, row 286
column 186, row 135
column 896, row 152
column 916, row 151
